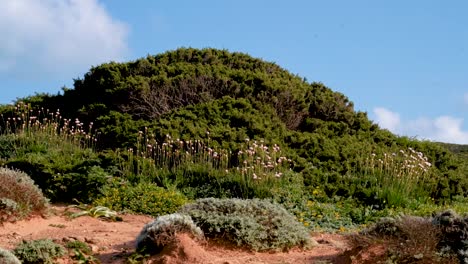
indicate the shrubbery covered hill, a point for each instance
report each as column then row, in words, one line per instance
column 225, row 98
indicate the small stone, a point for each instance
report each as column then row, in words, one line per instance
column 91, row 240
column 94, row 248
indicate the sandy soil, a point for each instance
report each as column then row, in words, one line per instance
column 112, row 242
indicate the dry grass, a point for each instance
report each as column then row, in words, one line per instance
column 408, row 239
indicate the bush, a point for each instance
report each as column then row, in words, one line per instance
column 20, row 196
column 454, row 230
column 162, row 231
column 406, row 239
column 144, row 198
column 64, row 175
column 6, row 257
column 256, row 224
column 38, row 251
column 8, row 209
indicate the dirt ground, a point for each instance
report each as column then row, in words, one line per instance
column 113, row 242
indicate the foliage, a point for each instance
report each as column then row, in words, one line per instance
column 144, row 198
column 82, row 252
column 95, row 211
column 6, row 257
column 8, row 210
column 219, row 99
column 19, row 195
column 454, row 230
column 433, row 239
column 163, row 230
column 79, row 245
column 38, row 251
column 256, row 224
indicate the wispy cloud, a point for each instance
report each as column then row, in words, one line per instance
column 58, row 36
column 443, row 128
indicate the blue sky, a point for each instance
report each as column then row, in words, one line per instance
column 403, row 62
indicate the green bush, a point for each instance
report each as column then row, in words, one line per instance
column 63, row 175
column 6, row 257
column 20, row 196
column 38, row 251
column 163, row 230
column 144, row 198
column 256, row 224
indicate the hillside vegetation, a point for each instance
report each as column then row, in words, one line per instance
column 211, row 123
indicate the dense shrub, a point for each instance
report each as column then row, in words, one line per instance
column 19, row 195
column 163, row 230
column 144, row 198
column 256, row 224
column 6, row 257
column 63, row 169
column 38, row 251
column 454, row 230
column 63, row 176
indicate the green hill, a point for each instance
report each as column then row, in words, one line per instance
column 225, row 98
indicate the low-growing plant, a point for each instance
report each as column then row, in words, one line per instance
column 407, row 239
column 82, row 258
column 255, row 224
column 163, row 230
column 38, row 251
column 144, row 198
column 454, row 230
column 94, row 211
column 20, row 196
column 79, row 245
column 7, row 257
column 8, row 210
column 82, row 252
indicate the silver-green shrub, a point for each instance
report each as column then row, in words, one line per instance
column 6, row 257
column 256, row 224
column 20, row 196
column 38, row 251
column 162, row 231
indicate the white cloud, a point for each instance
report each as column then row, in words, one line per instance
column 443, row 128
column 387, row 119
column 58, row 36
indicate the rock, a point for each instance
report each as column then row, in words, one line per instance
column 94, row 248
column 91, row 240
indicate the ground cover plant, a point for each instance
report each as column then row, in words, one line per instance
column 38, row 251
